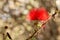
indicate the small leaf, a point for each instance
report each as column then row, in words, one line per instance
column 33, row 38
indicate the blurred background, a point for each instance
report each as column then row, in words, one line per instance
column 14, row 26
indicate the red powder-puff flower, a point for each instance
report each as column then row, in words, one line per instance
column 40, row 14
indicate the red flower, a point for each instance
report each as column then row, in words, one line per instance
column 40, row 14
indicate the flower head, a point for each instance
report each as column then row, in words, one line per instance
column 40, row 14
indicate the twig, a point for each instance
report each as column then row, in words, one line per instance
column 9, row 36
column 35, row 33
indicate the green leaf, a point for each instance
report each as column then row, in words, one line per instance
column 33, row 38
